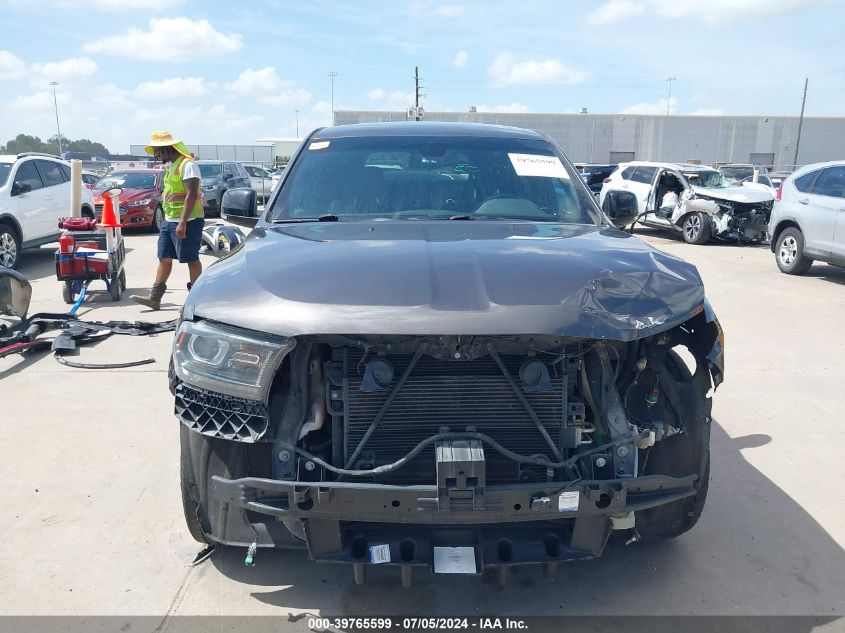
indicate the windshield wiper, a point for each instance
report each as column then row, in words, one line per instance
column 462, row 217
column 326, row 217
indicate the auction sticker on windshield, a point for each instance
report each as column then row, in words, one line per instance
column 536, row 165
column 319, row 144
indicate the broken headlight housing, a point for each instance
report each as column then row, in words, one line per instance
column 228, row 360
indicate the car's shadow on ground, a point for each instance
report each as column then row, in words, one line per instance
column 671, row 237
column 832, row 274
column 789, row 567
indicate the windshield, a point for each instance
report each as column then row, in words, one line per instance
column 429, row 177
column 708, row 179
column 5, row 168
column 209, row 170
column 126, row 181
column 736, row 174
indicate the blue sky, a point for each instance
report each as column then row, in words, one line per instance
column 230, row 72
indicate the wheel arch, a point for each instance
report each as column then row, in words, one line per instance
column 11, row 221
column 780, row 227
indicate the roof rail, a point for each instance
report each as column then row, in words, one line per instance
column 22, row 154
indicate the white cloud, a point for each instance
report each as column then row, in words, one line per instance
column 38, row 102
column 174, row 88
column 11, row 66
column 614, row 10
column 654, row 107
column 513, row 107
column 268, row 88
column 709, row 112
column 709, row 11
column 506, row 71
column 71, row 71
column 399, row 100
column 376, row 93
column 449, row 10
column 461, row 59
column 322, row 106
column 169, row 39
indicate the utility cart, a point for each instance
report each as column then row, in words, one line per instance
column 84, row 255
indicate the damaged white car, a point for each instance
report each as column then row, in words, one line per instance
column 693, row 200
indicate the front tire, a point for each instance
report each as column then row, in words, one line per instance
column 677, row 456
column 696, row 228
column 202, row 457
column 789, row 253
column 158, row 220
column 10, row 247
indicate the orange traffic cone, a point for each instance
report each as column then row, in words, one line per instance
column 108, row 220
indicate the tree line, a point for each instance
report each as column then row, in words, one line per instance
column 26, row 143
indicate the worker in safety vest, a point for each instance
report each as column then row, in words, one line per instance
column 181, row 232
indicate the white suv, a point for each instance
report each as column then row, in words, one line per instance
column 700, row 203
column 34, row 195
column 808, row 222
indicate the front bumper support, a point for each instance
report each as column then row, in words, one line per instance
column 513, row 503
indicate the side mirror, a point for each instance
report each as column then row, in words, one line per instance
column 21, row 187
column 621, row 207
column 15, row 293
column 239, row 203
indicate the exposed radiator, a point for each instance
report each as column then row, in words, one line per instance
column 454, row 394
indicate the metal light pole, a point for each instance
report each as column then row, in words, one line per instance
column 297, row 124
column 56, row 104
column 669, row 79
column 332, row 74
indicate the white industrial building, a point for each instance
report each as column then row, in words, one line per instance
column 614, row 138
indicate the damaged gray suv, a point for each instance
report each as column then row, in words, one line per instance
column 434, row 350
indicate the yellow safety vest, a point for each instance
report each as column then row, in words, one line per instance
column 175, row 193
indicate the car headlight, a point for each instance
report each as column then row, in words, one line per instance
column 228, row 360
column 209, row 187
column 139, row 203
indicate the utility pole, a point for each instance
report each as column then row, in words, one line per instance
column 417, row 94
column 332, row 74
column 800, row 124
column 56, row 104
column 669, row 79
column 297, row 124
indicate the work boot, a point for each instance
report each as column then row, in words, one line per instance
column 154, row 300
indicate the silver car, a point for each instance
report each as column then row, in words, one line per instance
column 808, row 220
column 260, row 180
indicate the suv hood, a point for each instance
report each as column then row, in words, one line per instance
column 422, row 278
column 735, row 194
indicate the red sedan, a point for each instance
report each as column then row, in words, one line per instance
column 140, row 200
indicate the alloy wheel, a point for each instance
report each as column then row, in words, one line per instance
column 8, row 250
column 788, row 250
column 692, row 227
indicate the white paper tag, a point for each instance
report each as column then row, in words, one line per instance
column 379, row 554
column 319, row 144
column 454, row 560
column 568, row 501
column 536, row 165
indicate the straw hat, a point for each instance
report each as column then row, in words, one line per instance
column 165, row 139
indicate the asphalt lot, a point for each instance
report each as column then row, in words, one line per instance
column 92, row 519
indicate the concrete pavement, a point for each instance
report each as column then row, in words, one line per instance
column 92, row 520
